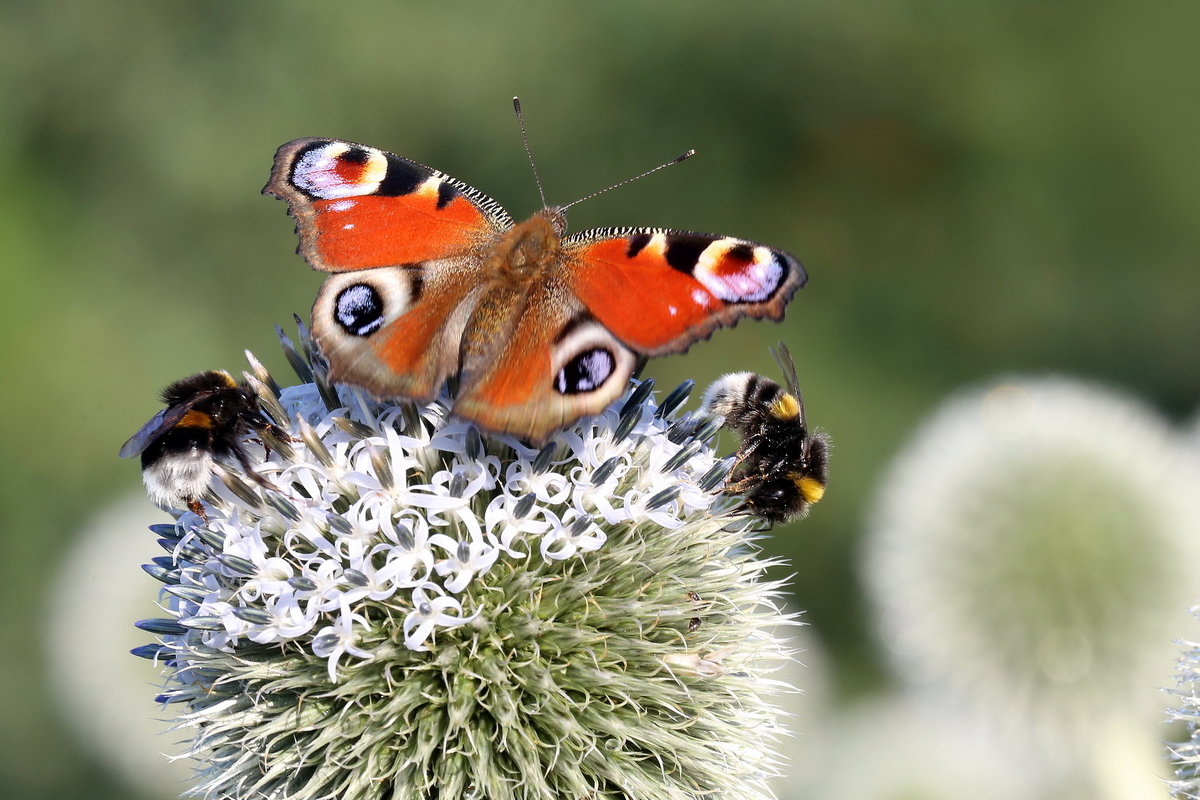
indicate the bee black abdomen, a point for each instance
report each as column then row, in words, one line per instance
column 777, row 499
column 177, row 441
column 744, row 399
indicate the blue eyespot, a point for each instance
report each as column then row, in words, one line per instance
column 359, row 309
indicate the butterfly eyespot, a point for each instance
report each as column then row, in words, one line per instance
column 328, row 170
column 586, row 372
column 359, row 309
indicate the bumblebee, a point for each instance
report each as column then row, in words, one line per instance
column 206, row 417
column 782, row 467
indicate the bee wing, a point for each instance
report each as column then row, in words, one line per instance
column 784, row 359
column 159, row 424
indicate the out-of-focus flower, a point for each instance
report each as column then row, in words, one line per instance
column 918, row 750
column 1028, row 554
column 415, row 611
column 101, row 690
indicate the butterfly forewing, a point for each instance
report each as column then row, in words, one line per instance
column 659, row 290
column 358, row 207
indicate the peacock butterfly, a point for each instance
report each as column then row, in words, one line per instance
column 432, row 278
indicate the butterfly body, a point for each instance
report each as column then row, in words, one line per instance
column 433, row 279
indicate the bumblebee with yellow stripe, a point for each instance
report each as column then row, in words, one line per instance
column 782, row 467
column 207, row 416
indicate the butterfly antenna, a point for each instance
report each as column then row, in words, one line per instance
column 528, row 152
column 672, row 162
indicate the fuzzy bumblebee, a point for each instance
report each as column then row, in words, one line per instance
column 207, row 416
column 781, row 467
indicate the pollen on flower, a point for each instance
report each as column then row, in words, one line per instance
column 398, row 606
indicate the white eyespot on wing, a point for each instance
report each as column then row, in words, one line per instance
column 587, row 357
column 357, row 304
column 336, row 169
column 739, row 272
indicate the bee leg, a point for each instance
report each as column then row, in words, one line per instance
column 275, row 432
column 279, row 433
column 743, row 454
column 250, row 471
column 196, row 508
column 738, row 487
column 758, row 442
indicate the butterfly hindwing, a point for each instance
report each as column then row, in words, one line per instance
column 659, row 291
column 554, row 363
column 358, row 207
column 395, row 331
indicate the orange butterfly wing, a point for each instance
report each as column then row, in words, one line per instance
column 608, row 299
column 425, row 289
column 358, row 207
column 406, row 243
column 552, row 365
column 395, row 331
column 658, row 291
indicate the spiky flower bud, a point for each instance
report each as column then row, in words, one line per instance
column 413, row 610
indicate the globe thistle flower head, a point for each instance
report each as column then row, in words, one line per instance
column 1028, row 551
column 1185, row 709
column 401, row 607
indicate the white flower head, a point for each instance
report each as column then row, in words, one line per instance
column 1028, row 553
column 401, row 607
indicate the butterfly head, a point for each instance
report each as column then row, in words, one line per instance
column 556, row 216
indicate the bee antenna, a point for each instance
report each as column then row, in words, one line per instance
column 528, row 152
column 672, row 162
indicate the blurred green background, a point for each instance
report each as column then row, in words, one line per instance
column 975, row 188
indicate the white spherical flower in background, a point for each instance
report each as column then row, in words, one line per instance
column 100, row 689
column 1193, row 429
column 918, row 749
column 1030, row 550
column 410, row 609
